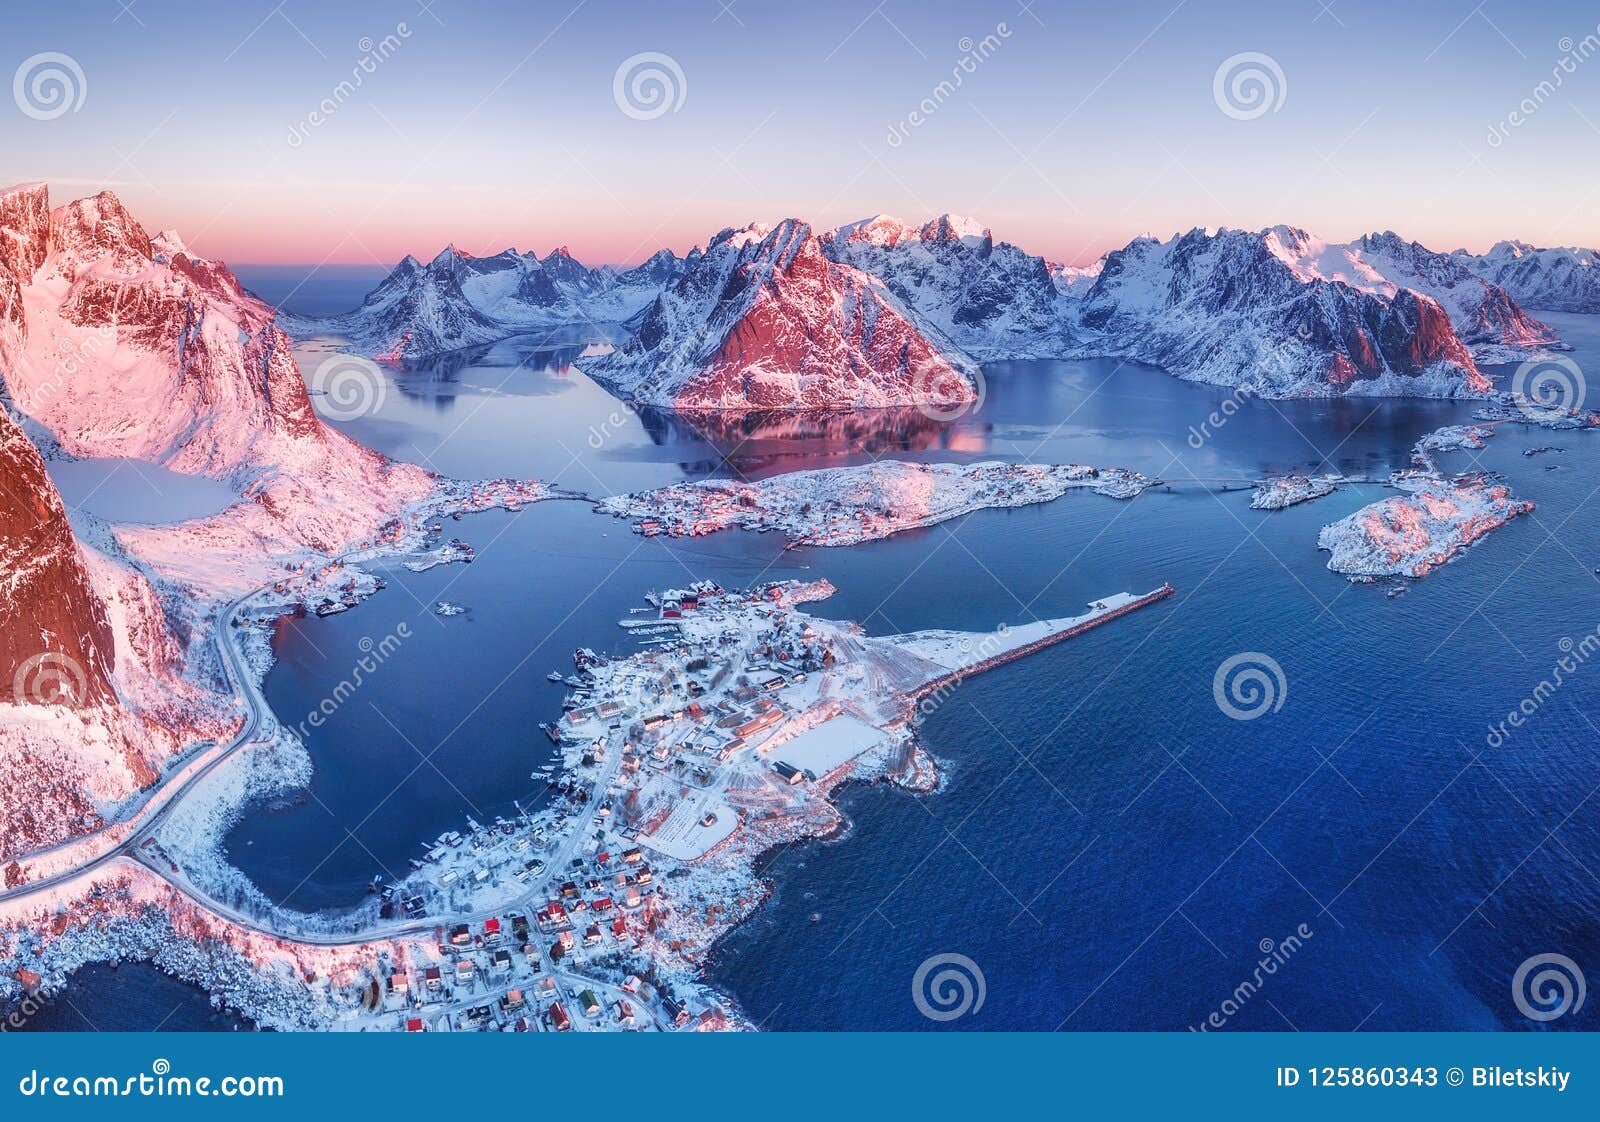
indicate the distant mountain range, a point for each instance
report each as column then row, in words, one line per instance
column 881, row 312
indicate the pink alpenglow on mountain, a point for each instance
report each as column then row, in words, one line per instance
column 114, row 345
column 991, row 299
column 55, row 640
column 125, row 347
column 764, row 320
column 92, row 701
column 1267, row 311
column 1412, row 534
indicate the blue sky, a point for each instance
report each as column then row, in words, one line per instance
column 496, row 124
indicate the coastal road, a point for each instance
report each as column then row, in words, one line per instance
column 162, row 800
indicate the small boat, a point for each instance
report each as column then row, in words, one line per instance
column 554, row 676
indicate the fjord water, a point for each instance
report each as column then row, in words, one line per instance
column 1109, row 847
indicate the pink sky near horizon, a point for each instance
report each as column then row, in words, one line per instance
column 250, row 232
column 488, row 127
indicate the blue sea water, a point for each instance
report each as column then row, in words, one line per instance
column 1108, row 847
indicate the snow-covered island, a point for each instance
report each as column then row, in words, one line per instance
column 1412, row 534
column 1288, row 490
column 1435, row 517
column 1450, row 438
column 843, row 506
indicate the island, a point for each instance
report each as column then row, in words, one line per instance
column 844, row 506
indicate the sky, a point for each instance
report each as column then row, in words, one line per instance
column 1073, row 127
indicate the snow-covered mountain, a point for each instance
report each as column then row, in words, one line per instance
column 92, row 700
column 764, row 319
column 116, row 345
column 992, row 299
column 1551, row 280
column 1262, row 310
column 457, row 300
column 1485, row 317
column 120, row 346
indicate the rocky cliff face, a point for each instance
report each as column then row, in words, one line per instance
column 991, row 299
column 1227, row 308
column 55, row 639
column 1484, row 315
column 116, row 344
column 765, row 320
column 92, row 696
column 126, row 346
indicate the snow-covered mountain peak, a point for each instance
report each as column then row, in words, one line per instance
column 448, row 258
column 168, row 244
column 740, row 236
column 24, row 235
column 98, row 230
column 957, row 228
column 879, row 229
column 766, row 319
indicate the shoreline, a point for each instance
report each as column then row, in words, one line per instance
column 739, row 901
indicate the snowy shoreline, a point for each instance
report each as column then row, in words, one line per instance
column 1438, row 515
column 849, row 505
column 779, row 710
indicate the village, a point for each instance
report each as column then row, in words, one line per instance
column 680, row 764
